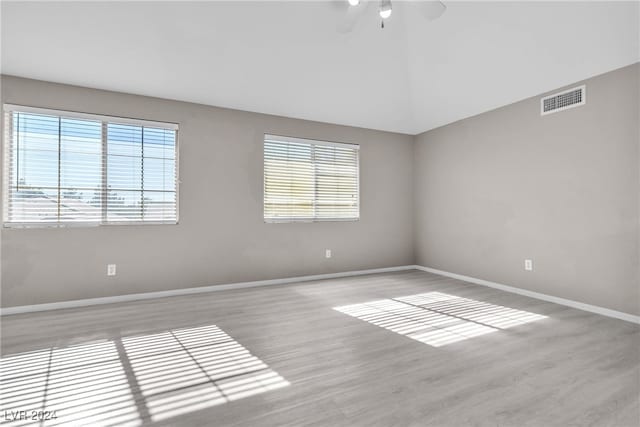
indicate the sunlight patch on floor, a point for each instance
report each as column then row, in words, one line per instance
column 83, row 384
column 132, row 380
column 184, row 370
column 438, row 319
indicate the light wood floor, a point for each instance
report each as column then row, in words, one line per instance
column 425, row 350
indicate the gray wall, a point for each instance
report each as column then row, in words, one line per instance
column 221, row 237
column 561, row 189
column 487, row 192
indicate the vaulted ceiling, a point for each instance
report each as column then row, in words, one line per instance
column 286, row 58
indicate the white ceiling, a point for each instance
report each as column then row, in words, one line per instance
column 287, row 58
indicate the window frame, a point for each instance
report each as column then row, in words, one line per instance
column 105, row 120
column 297, row 140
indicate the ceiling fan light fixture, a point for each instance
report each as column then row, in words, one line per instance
column 354, row 2
column 385, row 9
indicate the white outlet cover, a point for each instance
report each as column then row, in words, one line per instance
column 327, row 253
column 528, row 265
column 111, row 269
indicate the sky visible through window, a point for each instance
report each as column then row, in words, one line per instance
column 58, row 156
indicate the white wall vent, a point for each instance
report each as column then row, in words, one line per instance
column 563, row 100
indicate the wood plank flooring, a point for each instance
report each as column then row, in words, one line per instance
column 452, row 354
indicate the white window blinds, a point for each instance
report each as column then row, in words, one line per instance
column 306, row 180
column 63, row 168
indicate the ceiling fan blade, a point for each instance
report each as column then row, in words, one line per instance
column 350, row 16
column 432, row 9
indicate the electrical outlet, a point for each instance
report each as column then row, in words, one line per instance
column 327, row 253
column 528, row 265
column 111, row 269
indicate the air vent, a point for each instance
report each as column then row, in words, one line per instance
column 564, row 100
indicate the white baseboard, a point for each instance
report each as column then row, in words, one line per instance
column 204, row 289
column 187, row 291
column 562, row 301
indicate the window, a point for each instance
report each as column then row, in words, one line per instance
column 72, row 168
column 306, row 180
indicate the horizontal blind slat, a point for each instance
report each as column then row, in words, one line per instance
column 310, row 180
column 54, row 171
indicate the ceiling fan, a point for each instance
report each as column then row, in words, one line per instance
column 431, row 9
